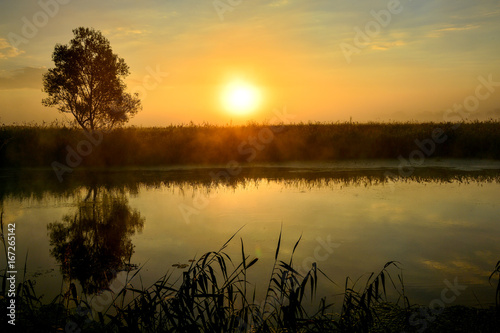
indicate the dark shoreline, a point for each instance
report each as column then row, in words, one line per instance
column 38, row 182
column 231, row 146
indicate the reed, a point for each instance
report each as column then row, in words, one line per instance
column 39, row 146
column 213, row 294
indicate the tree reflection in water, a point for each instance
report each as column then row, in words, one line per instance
column 93, row 244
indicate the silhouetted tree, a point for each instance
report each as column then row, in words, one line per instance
column 87, row 82
column 93, row 244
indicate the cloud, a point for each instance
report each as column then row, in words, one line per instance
column 387, row 45
column 7, row 50
column 436, row 33
column 491, row 13
column 467, row 27
column 121, row 32
column 23, row 78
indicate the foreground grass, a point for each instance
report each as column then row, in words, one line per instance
column 28, row 146
column 214, row 295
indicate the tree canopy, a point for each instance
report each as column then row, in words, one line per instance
column 87, row 81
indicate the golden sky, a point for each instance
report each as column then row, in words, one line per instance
column 324, row 60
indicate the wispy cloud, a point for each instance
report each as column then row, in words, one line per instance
column 120, row 32
column 439, row 32
column 7, row 50
column 388, row 45
column 24, row 78
column 492, row 13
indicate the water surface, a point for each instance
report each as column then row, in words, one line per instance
column 440, row 222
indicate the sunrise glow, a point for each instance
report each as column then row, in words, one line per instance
column 240, row 98
column 327, row 61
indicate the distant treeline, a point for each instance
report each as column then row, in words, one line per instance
column 30, row 146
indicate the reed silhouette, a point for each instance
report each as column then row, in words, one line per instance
column 214, row 294
column 207, row 144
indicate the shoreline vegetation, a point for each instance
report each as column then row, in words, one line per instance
column 213, row 294
column 66, row 148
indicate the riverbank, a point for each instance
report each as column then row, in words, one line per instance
column 412, row 143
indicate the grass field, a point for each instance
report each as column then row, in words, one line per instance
column 40, row 146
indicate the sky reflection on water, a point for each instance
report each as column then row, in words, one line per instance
column 439, row 226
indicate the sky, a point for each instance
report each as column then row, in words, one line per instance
column 320, row 60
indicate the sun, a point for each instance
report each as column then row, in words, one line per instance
column 241, row 98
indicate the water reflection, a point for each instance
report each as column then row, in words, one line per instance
column 93, row 243
column 39, row 183
column 440, row 222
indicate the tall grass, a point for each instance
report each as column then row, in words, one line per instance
column 497, row 293
column 213, row 294
column 26, row 146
